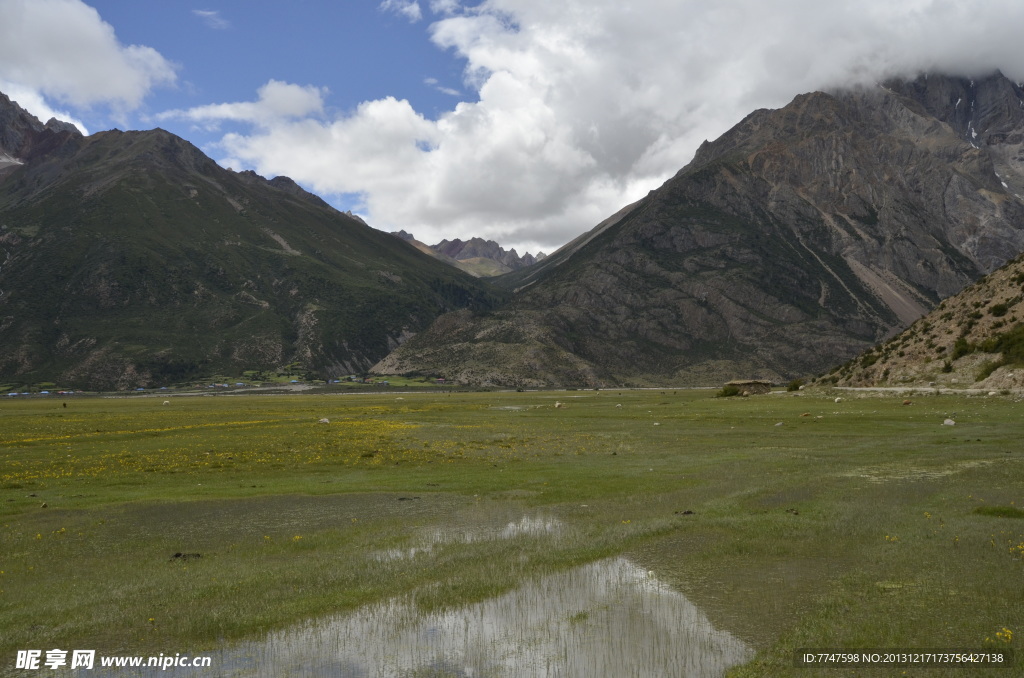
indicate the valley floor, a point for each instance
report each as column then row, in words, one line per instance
column 774, row 523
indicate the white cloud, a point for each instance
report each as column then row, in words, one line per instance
column 582, row 106
column 444, row 6
column 410, row 9
column 212, row 18
column 61, row 50
column 433, row 82
column 276, row 101
column 379, row 144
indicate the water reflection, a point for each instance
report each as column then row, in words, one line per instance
column 609, row 618
column 524, row 527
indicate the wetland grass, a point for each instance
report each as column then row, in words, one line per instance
column 854, row 524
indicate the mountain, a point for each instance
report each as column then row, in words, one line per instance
column 477, row 251
column 796, row 240
column 132, row 259
column 972, row 340
column 478, row 257
column 23, row 137
column 429, row 251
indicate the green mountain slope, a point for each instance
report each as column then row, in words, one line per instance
column 130, row 258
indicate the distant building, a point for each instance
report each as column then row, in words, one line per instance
column 751, row 386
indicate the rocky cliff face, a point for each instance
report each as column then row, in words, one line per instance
column 797, row 239
column 23, row 137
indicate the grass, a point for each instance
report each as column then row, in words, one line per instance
column 856, row 524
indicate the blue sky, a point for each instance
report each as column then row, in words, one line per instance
column 524, row 121
column 226, row 50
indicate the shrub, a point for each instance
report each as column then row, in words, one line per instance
column 1010, row 344
column 728, row 391
column 998, row 310
column 961, row 348
column 795, row 385
column 988, row 368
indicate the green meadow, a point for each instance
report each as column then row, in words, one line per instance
column 791, row 520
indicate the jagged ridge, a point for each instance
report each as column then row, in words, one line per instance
column 476, row 256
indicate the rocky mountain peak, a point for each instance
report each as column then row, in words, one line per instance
column 799, row 237
column 977, row 109
column 55, row 125
column 478, row 248
column 482, row 258
column 22, row 135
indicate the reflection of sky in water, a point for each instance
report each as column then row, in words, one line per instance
column 608, row 618
column 524, row 527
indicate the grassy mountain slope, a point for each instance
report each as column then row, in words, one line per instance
column 133, row 259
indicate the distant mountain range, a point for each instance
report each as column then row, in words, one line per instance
column 131, row 259
column 478, row 257
column 796, row 240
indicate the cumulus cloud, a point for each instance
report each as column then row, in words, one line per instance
column 212, row 18
column 276, row 101
column 582, row 106
column 62, row 51
column 410, row 9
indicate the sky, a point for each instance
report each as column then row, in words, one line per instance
column 523, row 121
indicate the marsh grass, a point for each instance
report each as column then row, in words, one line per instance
column 853, row 524
column 1000, row 511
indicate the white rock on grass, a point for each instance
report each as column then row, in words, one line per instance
column 949, row 422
